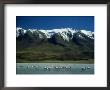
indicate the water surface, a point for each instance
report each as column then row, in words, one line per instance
column 54, row 68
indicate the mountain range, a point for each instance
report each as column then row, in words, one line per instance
column 54, row 44
column 64, row 32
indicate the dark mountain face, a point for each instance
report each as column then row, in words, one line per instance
column 57, row 40
column 61, row 45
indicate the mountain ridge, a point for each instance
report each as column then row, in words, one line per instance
column 55, row 44
column 64, row 32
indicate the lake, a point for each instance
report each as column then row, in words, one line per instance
column 54, row 68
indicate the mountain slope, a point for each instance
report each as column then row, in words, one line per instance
column 55, row 44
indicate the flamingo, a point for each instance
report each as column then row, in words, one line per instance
column 88, row 67
column 83, row 68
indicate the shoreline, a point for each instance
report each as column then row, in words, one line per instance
column 74, row 62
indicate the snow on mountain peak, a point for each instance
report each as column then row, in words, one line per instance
column 88, row 33
column 17, row 31
column 64, row 32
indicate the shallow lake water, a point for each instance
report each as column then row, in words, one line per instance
column 54, row 68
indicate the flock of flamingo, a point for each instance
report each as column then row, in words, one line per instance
column 48, row 68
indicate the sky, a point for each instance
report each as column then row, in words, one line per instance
column 55, row 22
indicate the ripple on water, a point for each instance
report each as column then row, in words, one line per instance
column 54, row 68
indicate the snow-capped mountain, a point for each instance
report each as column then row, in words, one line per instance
column 61, row 44
column 66, row 33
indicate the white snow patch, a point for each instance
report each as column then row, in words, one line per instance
column 81, row 36
column 64, row 32
column 88, row 33
column 40, row 36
